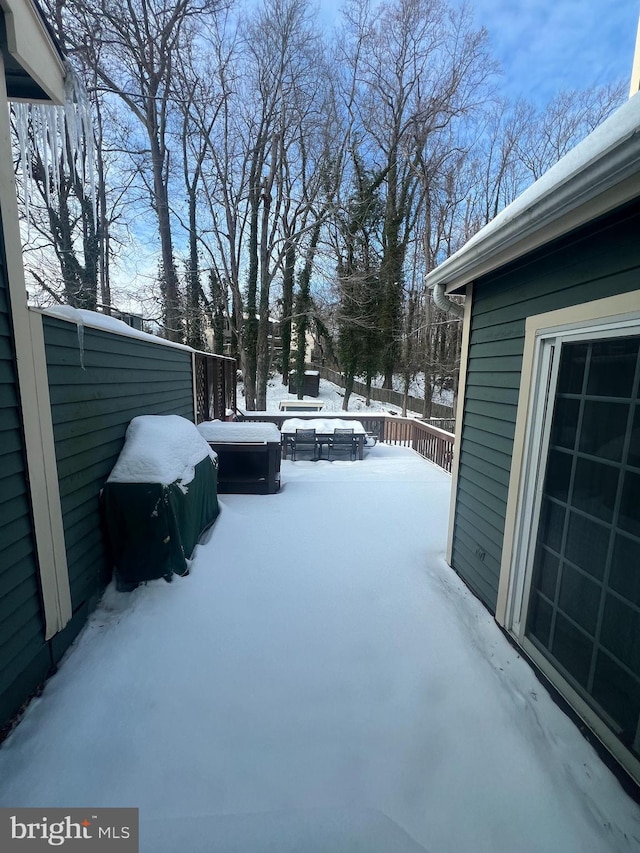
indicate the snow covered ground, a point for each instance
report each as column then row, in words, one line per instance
column 330, row 393
column 416, row 388
column 321, row 682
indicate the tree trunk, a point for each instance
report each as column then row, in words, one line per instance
column 172, row 319
column 302, row 322
column 287, row 309
column 303, row 307
column 103, row 224
column 250, row 335
column 405, row 394
column 262, row 359
column 195, row 332
column 348, row 389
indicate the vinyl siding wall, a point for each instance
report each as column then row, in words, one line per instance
column 99, row 381
column 24, row 656
column 598, row 261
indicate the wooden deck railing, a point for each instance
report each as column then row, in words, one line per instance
column 434, row 444
column 429, row 441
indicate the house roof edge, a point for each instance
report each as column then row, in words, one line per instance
column 599, row 174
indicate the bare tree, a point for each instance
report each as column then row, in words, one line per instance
column 286, row 171
column 420, row 66
column 199, row 104
column 133, row 44
column 252, row 154
column 224, row 179
column 553, row 130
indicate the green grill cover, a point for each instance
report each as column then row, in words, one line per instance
column 152, row 529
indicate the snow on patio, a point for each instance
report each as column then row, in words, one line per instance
column 321, row 681
column 331, row 395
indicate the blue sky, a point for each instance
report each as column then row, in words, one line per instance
column 548, row 45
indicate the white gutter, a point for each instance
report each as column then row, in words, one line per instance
column 598, row 175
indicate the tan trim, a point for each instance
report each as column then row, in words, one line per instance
column 31, row 45
column 45, row 491
column 635, row 71
column 34, row 399
column 462, row 385
column 571, row 318
column 513, row 494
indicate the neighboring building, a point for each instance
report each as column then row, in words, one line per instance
column 273, row 337
column 545, row 519
column 136, row 321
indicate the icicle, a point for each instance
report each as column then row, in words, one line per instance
column 54, row 147
column 79, row 125
column 41, row 135
column 72, row 126
column 21, row 113
column 80, row 328
column 85, row 130
column 62, row 136
column 61, row 125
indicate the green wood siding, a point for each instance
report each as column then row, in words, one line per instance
column 98, row 382
column 24, row 656
column 595, row 262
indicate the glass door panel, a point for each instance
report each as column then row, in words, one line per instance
column 583, row 610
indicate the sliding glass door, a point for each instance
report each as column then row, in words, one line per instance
column 582, row 598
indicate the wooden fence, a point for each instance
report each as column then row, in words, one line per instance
column 429, row 441
column 386, row 395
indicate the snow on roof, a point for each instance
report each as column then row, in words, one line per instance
column 599, row 174
column 160, row 449
column 96, row 320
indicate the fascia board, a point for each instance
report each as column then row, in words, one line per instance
column 31, row 45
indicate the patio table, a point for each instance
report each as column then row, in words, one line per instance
column 324, row 428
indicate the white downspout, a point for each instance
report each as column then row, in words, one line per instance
column 444, row 303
